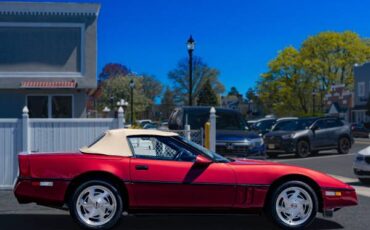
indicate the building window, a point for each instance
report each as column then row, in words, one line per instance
column 61, row 106
column 38, row 106
column 361, row 89
column 50, row 106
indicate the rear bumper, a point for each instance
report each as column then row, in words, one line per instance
column 29, row 190
column 348, row 197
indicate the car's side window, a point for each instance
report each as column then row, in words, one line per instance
column 332, row 123
column 321, row 124
column 160, row 148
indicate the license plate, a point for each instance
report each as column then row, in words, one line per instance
column 271, row 146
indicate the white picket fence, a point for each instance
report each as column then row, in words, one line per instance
column 44, row 135
column 53, row 135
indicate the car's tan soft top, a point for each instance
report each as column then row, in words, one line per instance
column 114, row 142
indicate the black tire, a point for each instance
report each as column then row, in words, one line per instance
column 364, row 180
column 272, row 210
column 344, row 145
column 114, row 197
column 303, row 149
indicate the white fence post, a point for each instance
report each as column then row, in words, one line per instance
column 212, row 135
column 187, row 132
column 25, row 130
column 121, row 118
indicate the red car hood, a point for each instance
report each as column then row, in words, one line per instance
column 266, row 172
column 241, row 161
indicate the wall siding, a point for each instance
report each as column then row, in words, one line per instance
column 53, row 135
column 10, row 145
column 46, row 135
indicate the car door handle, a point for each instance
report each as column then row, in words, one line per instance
column 141, row 167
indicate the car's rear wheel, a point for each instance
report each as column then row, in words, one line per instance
column 344, row 145
column 293, row 205
column 303, row 149
column 96, row 204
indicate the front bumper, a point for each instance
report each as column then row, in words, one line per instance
column 279, row 145
column 347, row 197
column 241, row 149
column 361, row 168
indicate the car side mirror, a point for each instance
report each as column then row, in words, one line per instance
column 201, row 160
column 314, row 128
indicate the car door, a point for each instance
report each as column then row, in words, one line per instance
column 319, row 134
column 159, row 180
column 333, row 131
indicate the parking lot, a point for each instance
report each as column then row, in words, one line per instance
column 14, row 216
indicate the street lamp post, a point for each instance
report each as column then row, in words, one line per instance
column 132, row 86
column 313, row 101
column 190, row 46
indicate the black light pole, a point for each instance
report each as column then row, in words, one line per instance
column 313, row 101
column 190, row 45
column 132, row 86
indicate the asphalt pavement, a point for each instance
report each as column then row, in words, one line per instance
column 32, row 217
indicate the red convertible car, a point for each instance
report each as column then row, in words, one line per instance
column 151, row 171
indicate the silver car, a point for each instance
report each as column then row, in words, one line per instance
column 361, row 165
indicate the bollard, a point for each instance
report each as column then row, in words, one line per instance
column 212, row 133
column 207, row 127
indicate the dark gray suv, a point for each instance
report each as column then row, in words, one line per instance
column 307, row 136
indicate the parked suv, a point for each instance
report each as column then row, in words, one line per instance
column 263, row 126
column 307, row 136
column 232, row 136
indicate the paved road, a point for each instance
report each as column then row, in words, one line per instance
column 32, row 217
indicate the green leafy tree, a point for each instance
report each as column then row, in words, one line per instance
column 201, row 72
column 234, row 92
column 207, row 95
column 117, row 88
column 324, row 59
column 285, row 89
column 330, row 56
column 167, row 103
column 152, row 88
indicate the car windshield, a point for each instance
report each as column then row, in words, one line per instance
column 214, row 156
column 226, row 120
column 264, row 124
column 293, row 125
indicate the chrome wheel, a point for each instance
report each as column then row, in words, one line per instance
column 294, row 206
column 96, row 205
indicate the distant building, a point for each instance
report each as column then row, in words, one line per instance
column 339, row 102
column 47, row 58
column 361, row 93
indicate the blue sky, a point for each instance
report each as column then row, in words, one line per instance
column 238, row 37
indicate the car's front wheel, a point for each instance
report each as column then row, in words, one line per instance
column 293, row 205
column 344, row 145
column 95, row 205
column 303, row 149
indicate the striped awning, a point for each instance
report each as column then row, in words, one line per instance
column 49, row 84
